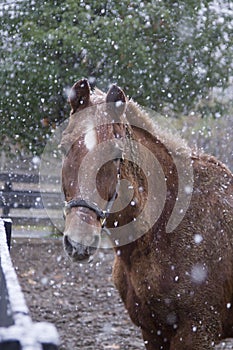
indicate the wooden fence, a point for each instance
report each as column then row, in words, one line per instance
column 21, row 191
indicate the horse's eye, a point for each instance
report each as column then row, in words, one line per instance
column 117, row 160
column 66, row 211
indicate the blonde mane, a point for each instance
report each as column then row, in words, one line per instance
column 137, row 115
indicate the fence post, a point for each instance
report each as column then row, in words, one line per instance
column 7, row 189
column 8, row 229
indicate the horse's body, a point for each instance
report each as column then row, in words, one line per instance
column 177, row 285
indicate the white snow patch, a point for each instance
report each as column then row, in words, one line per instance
column 188, row 189
column 194, row 329
column 90, row 139
column 118, row 104
column 198, row 273
column 198, row 238
column 36, row 160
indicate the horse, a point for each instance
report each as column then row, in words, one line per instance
column 167, row 211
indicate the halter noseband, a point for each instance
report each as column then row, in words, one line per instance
column 74, row 203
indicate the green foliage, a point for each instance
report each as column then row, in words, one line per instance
column 165, row 54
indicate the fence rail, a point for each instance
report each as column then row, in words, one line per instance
column 17, row 330
column 12, row 198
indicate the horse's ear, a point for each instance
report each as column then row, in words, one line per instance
column 79, row 96
column 117, row 98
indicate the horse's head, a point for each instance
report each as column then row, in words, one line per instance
column 93, row 145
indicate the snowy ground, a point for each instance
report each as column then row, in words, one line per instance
column 80, row 300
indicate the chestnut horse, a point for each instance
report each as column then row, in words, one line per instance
column 167, row 211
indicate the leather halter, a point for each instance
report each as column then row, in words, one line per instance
column 102, row 215
column 83, row 203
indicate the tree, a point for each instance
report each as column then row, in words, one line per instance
column 164, row 54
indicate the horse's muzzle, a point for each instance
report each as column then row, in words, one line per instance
column 78, row 251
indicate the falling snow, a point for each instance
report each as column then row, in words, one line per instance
column 199, row 273
column 165, row 59
column 198, row 238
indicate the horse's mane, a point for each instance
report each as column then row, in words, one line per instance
column 136, row 115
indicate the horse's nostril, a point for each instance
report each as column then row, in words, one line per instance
column 68, row 245
column 78, row 251
column 65, row 240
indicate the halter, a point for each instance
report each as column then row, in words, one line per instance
column 102, row 215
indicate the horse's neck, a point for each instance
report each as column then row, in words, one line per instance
column 148, row 191
column 154, row 167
